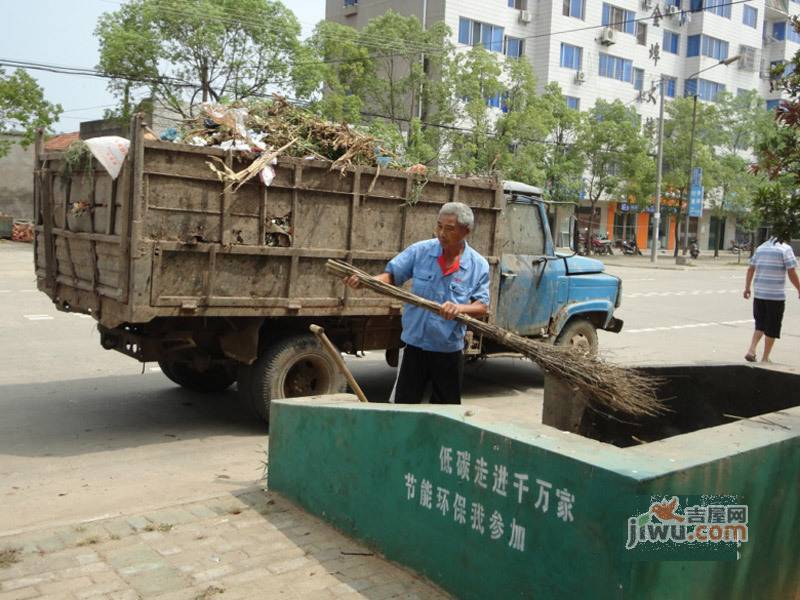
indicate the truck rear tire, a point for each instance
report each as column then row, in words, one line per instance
column 289, row 368
column 217, row 378
column 579, row 333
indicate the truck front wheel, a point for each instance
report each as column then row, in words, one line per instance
column 289, row 368
column 216, row 378
column 581, row 334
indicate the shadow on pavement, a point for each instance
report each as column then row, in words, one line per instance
column 65, row 418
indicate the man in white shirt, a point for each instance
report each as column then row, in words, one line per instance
column 771, row 263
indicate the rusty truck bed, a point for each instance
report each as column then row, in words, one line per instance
column 165, row 240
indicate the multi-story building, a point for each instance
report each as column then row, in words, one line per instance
column 619, row 49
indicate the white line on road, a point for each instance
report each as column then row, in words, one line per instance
column 38, row 317
column 688, row 326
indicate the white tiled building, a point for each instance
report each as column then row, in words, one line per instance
column 619, row 49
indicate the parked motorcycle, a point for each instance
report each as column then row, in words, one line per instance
column 629, row 247
column 601, row 245
column 694, row 248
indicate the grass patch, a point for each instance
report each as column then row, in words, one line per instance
column 9, row 556
column 210, row 592
column 161, row 527
column 90, row 541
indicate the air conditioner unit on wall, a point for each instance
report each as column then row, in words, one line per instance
column 524, row 16
column 580, row 77
column 608, row 36
column 672, row 11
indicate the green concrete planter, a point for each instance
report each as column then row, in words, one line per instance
column 493, row 510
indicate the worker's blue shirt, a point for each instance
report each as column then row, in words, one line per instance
column 419, row 262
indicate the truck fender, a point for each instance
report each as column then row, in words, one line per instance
column 599, row 311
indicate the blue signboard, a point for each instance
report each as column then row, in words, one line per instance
column 696, row 201
column 697, row 177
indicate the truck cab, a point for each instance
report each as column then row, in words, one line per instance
column 547, row 292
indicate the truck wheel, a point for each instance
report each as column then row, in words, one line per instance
column 579, row 333
column 215, row 379
column 290, row 368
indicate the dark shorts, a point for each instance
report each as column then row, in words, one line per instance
column 769, row 316
column 443, row 370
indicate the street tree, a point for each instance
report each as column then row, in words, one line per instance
column 562, row 162
column 613, row 151
column 23, row 108
column 777, row 202
column 394, row 76
column 678, row 139
column 183, row 52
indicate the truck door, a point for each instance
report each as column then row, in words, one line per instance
column 529, row 269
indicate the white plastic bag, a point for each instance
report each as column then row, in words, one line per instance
column 110, row 151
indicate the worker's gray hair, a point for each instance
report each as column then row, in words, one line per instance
column 462, row 212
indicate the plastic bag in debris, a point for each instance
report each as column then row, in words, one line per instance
column 234, row 145
column 110, row 151
column 170, row 134
column 267, row 174
column 232, row 118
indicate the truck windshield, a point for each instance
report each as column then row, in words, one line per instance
column 525, row 234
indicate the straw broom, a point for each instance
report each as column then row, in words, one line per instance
column 604, row 385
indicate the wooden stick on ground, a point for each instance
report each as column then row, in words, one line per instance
column 337, row 358
column 604, row 385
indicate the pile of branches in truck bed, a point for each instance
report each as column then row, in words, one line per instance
column 278, row 128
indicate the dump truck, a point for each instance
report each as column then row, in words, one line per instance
column 220, row 286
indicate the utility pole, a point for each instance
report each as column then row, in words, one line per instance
column 689, row 180
column 659, row 163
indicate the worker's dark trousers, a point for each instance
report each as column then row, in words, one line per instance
column 444, row 370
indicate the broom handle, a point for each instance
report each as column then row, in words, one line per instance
column 337, row 358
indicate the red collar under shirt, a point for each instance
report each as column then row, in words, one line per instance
column 452, row 269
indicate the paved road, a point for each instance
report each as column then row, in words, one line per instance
column 86, row 434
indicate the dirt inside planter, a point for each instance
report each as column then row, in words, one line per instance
column 698, row 397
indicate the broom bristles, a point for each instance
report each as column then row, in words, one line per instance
column 603, row 384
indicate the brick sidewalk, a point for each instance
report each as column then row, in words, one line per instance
column 254, row 545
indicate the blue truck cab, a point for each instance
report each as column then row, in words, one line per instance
column 548, row 293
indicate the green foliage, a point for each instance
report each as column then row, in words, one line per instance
column 562, row 161
column 185, row 51
column 23, row 108
column 779, row 207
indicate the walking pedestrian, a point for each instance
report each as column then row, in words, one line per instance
column 771, row 263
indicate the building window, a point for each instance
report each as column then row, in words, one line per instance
column 615, row 67
column 571, row 56
column 706, row 90
column 575, row 8
column 718, row 7
column 518, row 4
column 638, row 79
column 473, row 33
column 573, row 102
column 675, row 3
column 670, row 84
column 514, row 47
column 750, row 16
column 714, row 48
column 619, row 18
column 782, row 30
column 351, row 2
column 671, row 42
column 773, row 104
column 707, row 46
column 641, row 33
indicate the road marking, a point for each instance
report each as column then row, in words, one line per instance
column 680, row 293
column 154, row 369
column 17, row 291
column 38, row 317
column 81, row 315
column 688, row 326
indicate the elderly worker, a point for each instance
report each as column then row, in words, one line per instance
column 446, row 270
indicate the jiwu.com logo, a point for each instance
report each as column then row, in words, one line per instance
column 667, row 521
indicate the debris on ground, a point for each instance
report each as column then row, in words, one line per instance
column 22, row 231
column 9, row 556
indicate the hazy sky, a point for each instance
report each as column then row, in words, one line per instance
column 60, row 32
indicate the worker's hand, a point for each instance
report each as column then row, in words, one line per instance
column 352, row 282
column 746, row 293
column 449, row 310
